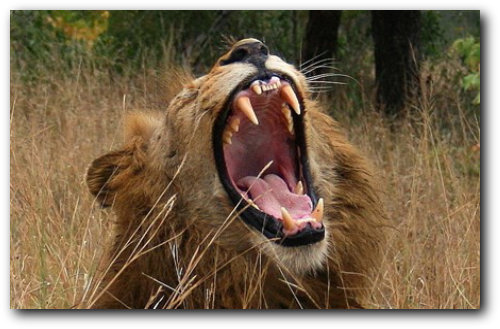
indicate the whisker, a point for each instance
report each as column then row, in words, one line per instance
column 317, row 64
column 322, row 91
column 328, row 82
column 324, row 75
column 320, row 62
column 323, row 60
column 327, row 87
column 315, row 79
column 328, row 67
column 311, row 60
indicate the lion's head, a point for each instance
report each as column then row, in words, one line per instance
column 253, row 164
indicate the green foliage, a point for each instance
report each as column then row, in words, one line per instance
column 79, row 24
column 354, row 34
column 469, row 49
column 57, row 42
column 432, row 36
column 197, row 37
column 128, row 41
column 52, row 41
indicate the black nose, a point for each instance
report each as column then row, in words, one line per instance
column 255, row 53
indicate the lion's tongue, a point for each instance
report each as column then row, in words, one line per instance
column 271, row 193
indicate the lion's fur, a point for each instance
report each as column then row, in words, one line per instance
column 179, row 244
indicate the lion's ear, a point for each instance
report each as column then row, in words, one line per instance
column 102, row 176
column 112, row 172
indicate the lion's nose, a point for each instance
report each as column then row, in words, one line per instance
column 255, row 53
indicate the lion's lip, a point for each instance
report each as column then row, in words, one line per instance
column 265, row 161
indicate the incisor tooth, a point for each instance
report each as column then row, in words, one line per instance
column 244, row 105
column 305, row 220
column 257, row 89
column 253, row 204
column 299, row 188
column 288, row 222
column 317, row 214
column 289, row 96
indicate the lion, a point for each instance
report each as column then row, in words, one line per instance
column 243, row 194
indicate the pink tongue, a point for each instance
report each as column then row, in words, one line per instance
column 271, row 193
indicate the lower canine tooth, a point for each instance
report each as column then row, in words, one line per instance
column 317, row 214
column 299, row 188
column 288, row 222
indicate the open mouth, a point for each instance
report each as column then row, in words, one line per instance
column 261, row 157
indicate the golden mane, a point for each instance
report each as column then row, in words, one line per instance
column 182, row 239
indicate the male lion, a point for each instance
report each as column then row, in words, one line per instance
column 245, row 194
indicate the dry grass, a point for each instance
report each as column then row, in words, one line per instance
column 430, row 169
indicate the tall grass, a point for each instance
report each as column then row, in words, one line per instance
column 429, row 165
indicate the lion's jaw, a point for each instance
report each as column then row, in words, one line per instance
column 252, row 105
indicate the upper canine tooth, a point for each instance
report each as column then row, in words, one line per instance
column 288, row 222
column 317, row 214
column 257, row 89
column 244, row 105
column 289, row 96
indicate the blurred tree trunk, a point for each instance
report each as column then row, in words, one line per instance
column 396, row 36
column 320, row 40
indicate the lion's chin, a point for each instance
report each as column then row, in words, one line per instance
column 298, row 261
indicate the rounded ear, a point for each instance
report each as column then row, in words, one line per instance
column 102, row 174
column 109, row 175
column 116, row 170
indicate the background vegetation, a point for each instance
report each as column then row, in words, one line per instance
column 73, row 74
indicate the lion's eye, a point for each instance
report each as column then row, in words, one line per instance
column 238, row 55
column 264, row 50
